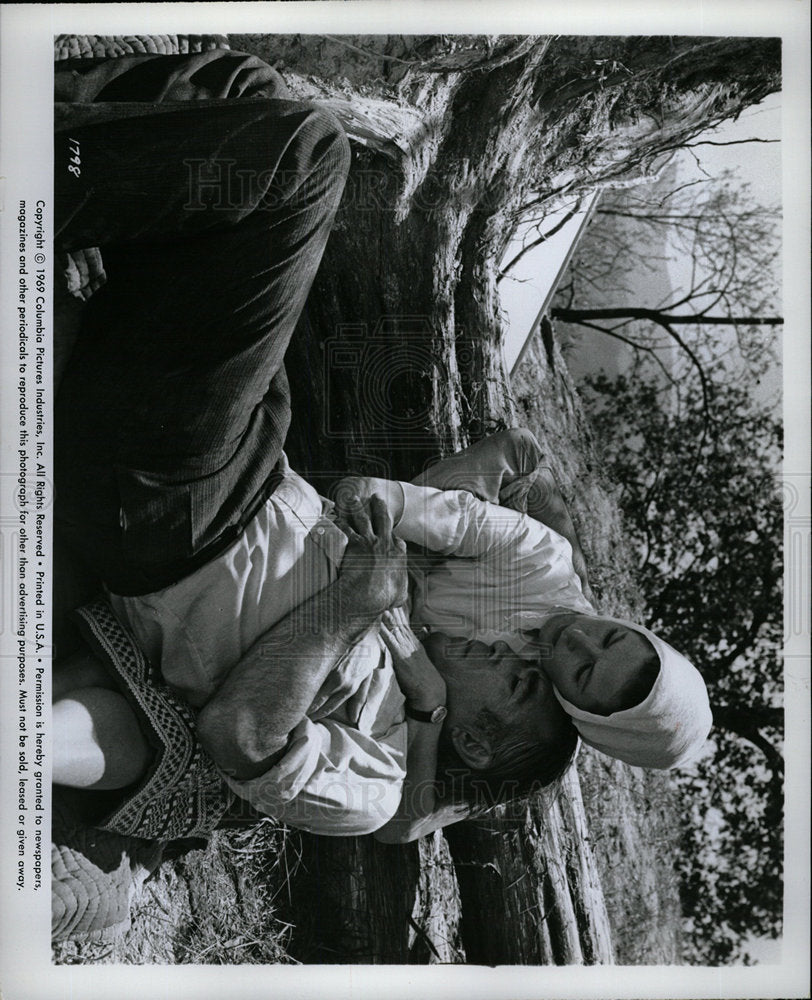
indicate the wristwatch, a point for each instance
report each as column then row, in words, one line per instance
column 435, row 715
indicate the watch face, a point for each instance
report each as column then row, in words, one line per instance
column 439, row 713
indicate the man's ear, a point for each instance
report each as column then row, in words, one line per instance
column 473, row 748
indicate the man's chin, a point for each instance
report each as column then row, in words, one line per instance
column 439, row 644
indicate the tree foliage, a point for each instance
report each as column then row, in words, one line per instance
column 705, row 512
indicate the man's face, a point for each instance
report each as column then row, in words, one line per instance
column 598, row 665
column 480, row 676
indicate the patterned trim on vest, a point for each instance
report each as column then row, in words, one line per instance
column 183, row 794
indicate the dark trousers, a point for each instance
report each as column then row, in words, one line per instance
column 212, row 218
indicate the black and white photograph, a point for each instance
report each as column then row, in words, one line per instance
column 405, row 528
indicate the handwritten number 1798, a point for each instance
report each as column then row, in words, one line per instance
column 75, row 161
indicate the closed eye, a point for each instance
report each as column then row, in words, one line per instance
column 524, row 685
column 581, row 671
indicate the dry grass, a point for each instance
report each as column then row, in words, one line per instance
column 549, row 405
column 215, row 906
column 234, row 887
column 634, row 835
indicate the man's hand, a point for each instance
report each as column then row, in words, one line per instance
column 353, row 492
column 419, row 813
column 246, row 724
column 546, row 504
column 373, row 572
column 417, row 677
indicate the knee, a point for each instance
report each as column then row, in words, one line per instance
column 98, row 742
column 520, row 447
column 320, row 141
column 327, row 128
column 521, row 437
column 81, row 670
column 330, row 142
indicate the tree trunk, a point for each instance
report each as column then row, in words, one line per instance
column 398, row 361
column 353, row 900
column 663, row 318
column 749, row 723
column 530, row 892
column 444, row 164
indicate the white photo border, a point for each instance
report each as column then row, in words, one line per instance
column 26, row 85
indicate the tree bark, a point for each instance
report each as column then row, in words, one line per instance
column 529, row 888
column 445, row 162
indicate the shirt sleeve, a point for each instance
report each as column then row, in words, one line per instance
column 334, row 780
column 495, row 468
column 454, row 522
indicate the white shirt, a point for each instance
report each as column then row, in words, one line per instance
column 499, row 572
column 346, row 760
column 345, row 763
column 489, row 572
column 669, row 727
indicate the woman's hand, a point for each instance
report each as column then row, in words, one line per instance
column 418, row 678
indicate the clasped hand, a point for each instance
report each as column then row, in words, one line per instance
column 417, row 677
column 373, row 572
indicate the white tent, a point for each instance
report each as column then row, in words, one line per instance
column 528, row 288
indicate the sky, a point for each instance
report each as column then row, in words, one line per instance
column 524, row 290
column 756, row 164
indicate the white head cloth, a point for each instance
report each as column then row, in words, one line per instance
column 665, row 730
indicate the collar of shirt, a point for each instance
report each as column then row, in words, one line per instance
column 315, row 513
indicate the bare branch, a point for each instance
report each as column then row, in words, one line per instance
column 655, row 316
column 731, row 142
column 612, row 332
column 453, row 62
column 542, row 239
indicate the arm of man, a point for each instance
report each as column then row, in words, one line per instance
column 419, row 812
column 485, row 469
column 506, row 468
column 545, row 503
column 245, row 726
column 490, row 468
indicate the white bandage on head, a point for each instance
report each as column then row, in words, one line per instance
column 667, row 729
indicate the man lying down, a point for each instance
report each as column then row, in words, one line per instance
column 253, row 643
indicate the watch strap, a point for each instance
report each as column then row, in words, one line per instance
column 435, row 715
